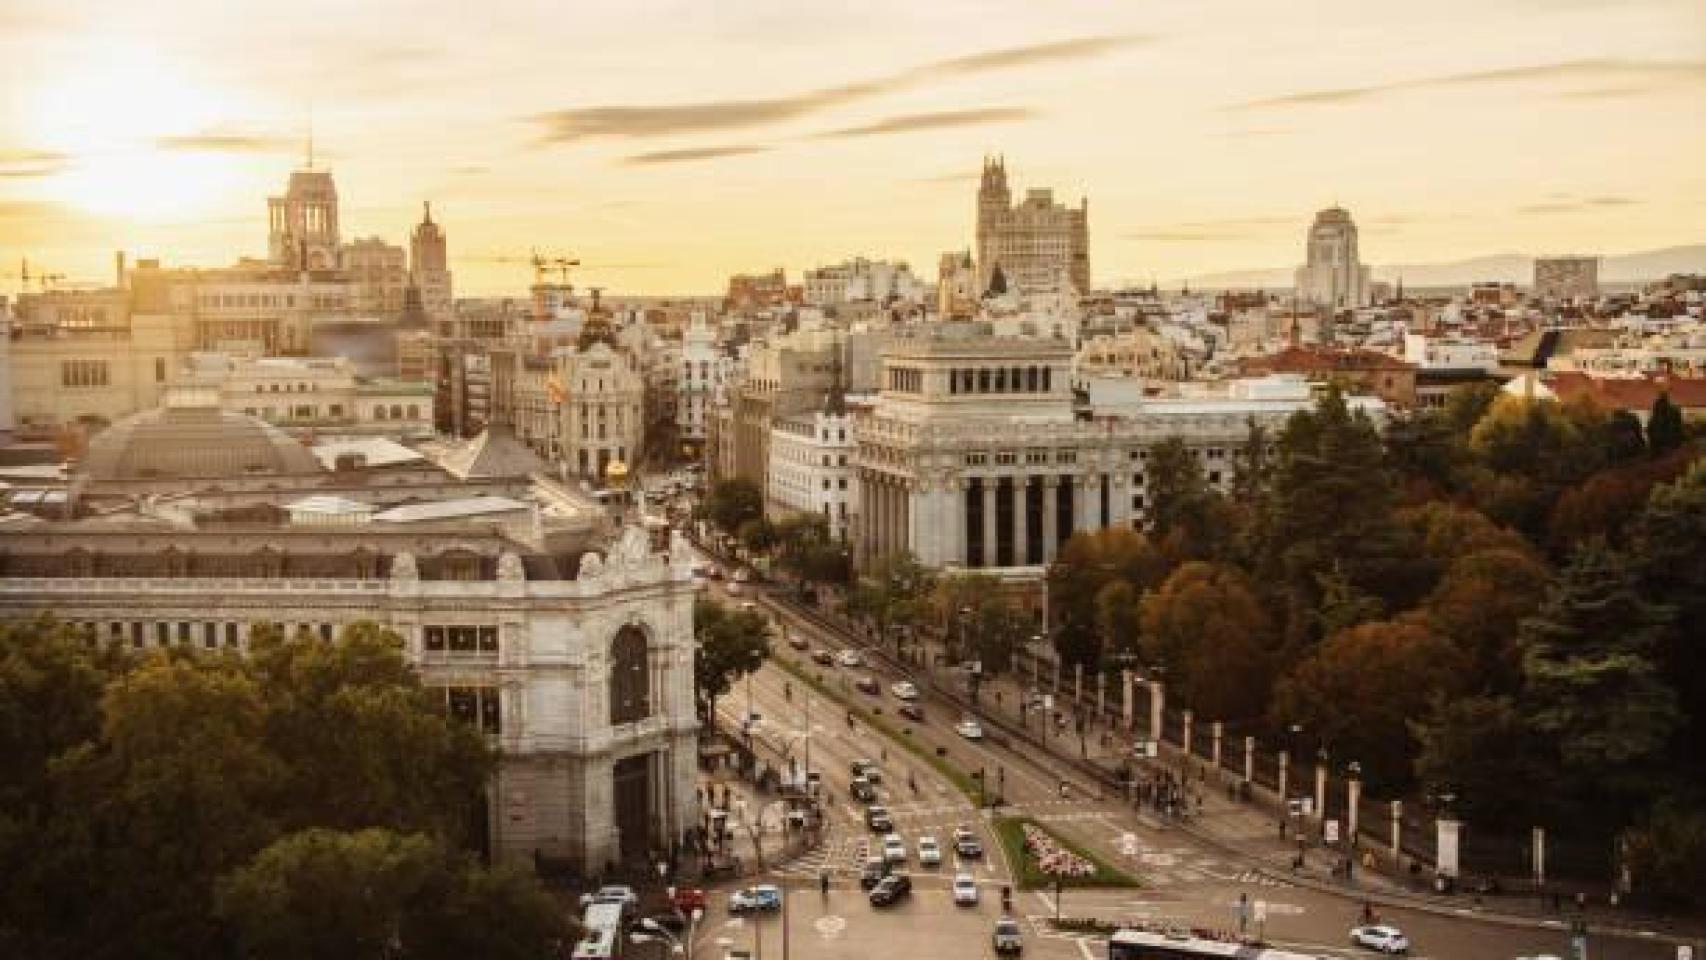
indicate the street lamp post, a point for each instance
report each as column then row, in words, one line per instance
column 1353, row 799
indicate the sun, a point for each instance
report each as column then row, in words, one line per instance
column 109, row 114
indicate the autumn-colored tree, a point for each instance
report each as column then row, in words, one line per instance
column 1208, row 628
column 1444, row 531
column 1480, row 604
column 1357, row 692
column 1603, row 505
column 1086, row 563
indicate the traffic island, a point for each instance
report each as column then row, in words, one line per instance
column 1042, row 859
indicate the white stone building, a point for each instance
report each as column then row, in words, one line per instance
column 811, row 466
column 1037, row 244
column 602, row 422
column 974, row 455
column 860, row 279
column 317, row 393
column 568, row 644
column 1333, row 274
column 702, row 370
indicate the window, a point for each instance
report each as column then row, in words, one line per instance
column 161, row 634
column 1066, row 456
column 210, row 635
column 976, row 459
column 159, row 369
column 478, row 707
column 136, row 634
column 231, row 634
column 1214, row 476
column 630, row 676
column 432, row 639
column 84, row 373
column 1006, row 458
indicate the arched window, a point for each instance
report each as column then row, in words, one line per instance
column 630, row 676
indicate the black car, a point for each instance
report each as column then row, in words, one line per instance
column 878, row 819
column 867, row 769
column 862, row 790
column 824, row 657
column 872, row 873
column 891, row 889
column 869, row 685
column 912, row 711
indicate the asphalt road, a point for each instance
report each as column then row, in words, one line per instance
column 1182, row 879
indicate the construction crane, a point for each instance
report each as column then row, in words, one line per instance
column 43, row 279
column 543, row 266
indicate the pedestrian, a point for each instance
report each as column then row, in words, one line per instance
column 823, row 882
column 1282, row 828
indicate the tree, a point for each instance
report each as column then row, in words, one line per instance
column 1333, row 511
column 1591, row 682
column 1427, row 455
column 1208, row 628
column 1666, row 855
column 806, row 548
column 362, row 741
column 732, row 502
column 1622, row 437
column 1119, row 618
column 1480, row 750
column 1085, row 564
column 1465, row 406
column 1604, row 504
column 730, row 645
column 1665, row 431
column 1357, row 691
column 894, row 592
column 327, row 895
column 1665, row 543
column 473, row 911
column 1480, row 605
column 757, row 534
column 1179, row 494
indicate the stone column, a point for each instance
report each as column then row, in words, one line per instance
column 903, row 506
column 1157, row 709
column 1126, row 701
column 1051, row 506
column 1284, row 770
column 1249, row 759
column 1397, row 829
column 1190, row 724
column 1081, row 504
column 1101, row 696
column 1320, row 790
column 1216, row 730
column 989, row 532
column 1353, row 797
column 1021, row 533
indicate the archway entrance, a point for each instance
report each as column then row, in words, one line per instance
column 633, row 800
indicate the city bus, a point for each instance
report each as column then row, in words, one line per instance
column 603, row 939
column 1146, row 945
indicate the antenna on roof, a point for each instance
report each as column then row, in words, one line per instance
column 310, row 134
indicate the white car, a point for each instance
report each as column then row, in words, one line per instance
column 904, row 690
column 965, row 890
column 1380, row 937
column 894, row 849
column 970, row 729
column 850, row 658
column 929, row 852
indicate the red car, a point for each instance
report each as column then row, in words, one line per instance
column 689, row 899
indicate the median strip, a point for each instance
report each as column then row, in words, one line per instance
column 965, row 784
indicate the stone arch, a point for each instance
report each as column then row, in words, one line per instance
column 630, row 675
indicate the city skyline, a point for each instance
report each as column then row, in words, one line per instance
column 711, row 149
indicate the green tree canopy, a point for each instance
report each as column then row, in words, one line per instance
column 1665, row 430
column 732, row 502
column 894, row 592
column 1667, row 539
column 1481, row 750
column 1084, row 565
column 1591, row 680
column 729, row 645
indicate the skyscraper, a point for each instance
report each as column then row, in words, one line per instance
column 1333, row 275
column 429, row 269
column 1038, row 243
column 302, row 225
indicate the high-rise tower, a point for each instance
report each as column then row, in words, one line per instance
column 1333, row 275
column 302, row 225
column 429, row 269
column 1037, row 243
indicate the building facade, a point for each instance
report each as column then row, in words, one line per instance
column 1566, row 278
column 429, row 268
column 812, row 470
column 1037, row 244
column 1333, row 275
column 378, row 277
column 568, row 644
column 974, row 456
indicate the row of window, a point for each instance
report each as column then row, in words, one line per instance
column 1000, row 380
column 84, row 373
column 459, row 638
column 1007, row 458
column 210, row 634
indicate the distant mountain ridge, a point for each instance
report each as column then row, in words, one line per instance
column 1504, row 267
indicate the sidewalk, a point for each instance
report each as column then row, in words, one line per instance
column 1238, row 829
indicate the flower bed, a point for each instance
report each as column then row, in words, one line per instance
column 1041, row 858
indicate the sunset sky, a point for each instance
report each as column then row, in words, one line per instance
column 670, row 144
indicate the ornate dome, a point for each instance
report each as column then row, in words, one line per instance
column 194, row 440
